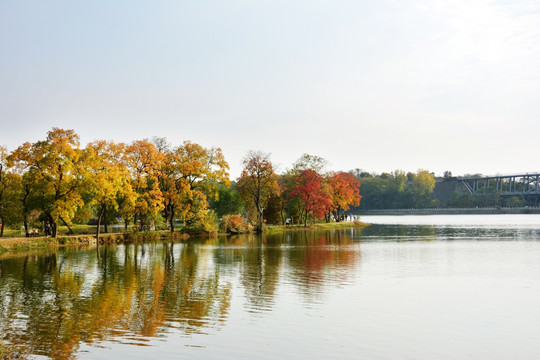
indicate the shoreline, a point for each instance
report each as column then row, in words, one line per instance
column 319, row 226
column 16, row 244
column 23, row 243
column 455, row 211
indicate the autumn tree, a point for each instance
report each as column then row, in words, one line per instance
column 204, row 170
column 107, row 178
column 290, row 205
column 313, row 196
column 344, row 191
column 56, row 170
column 257, row 183
column 191, row 175
column 144, row 163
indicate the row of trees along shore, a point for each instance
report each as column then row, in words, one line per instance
column 152, row 185
column 397, row 189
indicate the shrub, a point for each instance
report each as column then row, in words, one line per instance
column 234, row 224
column 207, row 224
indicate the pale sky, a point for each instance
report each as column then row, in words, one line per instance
column 378, row 85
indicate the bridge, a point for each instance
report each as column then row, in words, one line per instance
column 522, row 185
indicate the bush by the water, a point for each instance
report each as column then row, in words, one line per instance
column 207, row 224
column 234, row 224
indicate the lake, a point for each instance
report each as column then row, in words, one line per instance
column 406, row 287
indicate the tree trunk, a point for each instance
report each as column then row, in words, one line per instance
column 171, row 220
column 2, row 224
column 99, row 223
column 54, row 229
column 261, row 221
column 106, row 223
column 69, row 227
column 25, row 209
column 259, row 209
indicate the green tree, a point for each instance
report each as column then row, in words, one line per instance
column 310, row 162
column 229, row 201
column 10, row 188
column 462, row 200
column 423, row 183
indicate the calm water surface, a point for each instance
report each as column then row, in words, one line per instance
column 407, row 287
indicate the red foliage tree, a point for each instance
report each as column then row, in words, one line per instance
column 314, row 198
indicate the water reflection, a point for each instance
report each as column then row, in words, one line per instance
column 56, row 301
column 400, row 232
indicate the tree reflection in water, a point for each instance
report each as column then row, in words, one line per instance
column 54, row 301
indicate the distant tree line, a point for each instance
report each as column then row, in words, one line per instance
column 400, row 190
column 396, row 190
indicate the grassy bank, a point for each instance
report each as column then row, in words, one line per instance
column 25, row 244
column 62, row 231
column 317, row 226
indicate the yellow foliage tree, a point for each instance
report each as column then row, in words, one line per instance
column 144, row 162
column 108, row 179
column 190, row 175
column 57, row 172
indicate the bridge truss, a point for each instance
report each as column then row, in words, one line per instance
column 522, row 185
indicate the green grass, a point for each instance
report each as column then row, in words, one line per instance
column 13, row 233
column 316, row 226
column 62, row 230
column 26, row 244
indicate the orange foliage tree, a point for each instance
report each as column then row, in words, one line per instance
column 257, row 183
column 344, row 190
